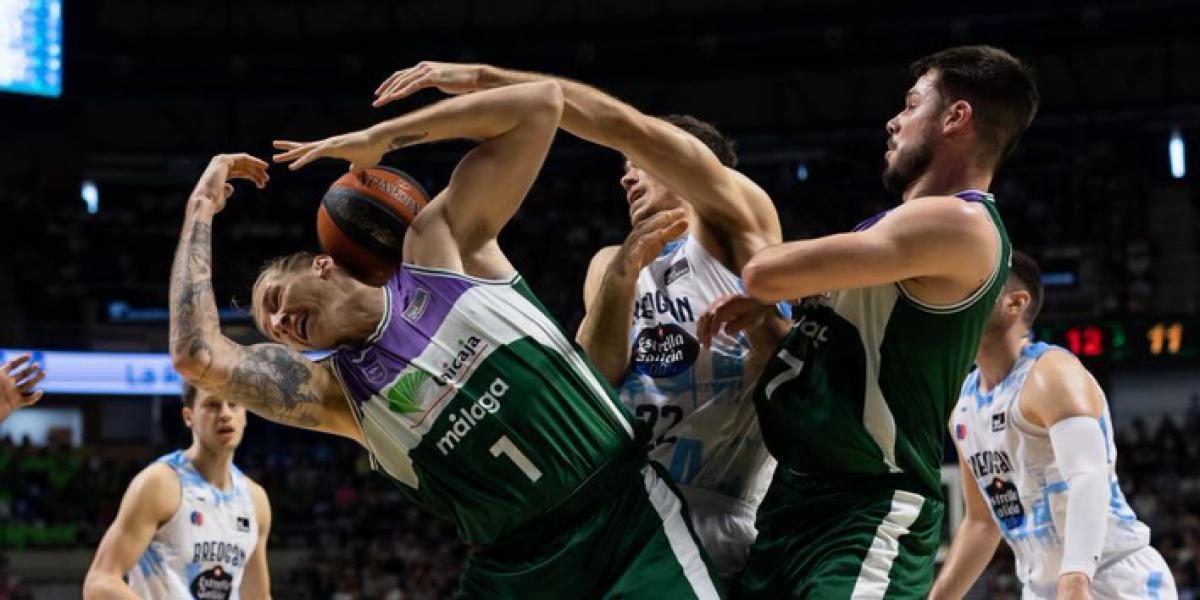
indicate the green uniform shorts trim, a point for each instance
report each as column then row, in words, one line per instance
column 823, row 541
column 638, row 544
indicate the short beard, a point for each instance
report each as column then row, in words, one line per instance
column 907, row 168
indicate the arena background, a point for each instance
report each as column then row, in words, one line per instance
column 93, row 183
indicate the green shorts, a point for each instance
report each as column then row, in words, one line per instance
column 636, row 543
column 828, row 540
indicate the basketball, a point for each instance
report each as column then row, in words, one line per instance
column 362, row 220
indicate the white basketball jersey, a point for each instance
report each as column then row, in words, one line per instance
column 695, row 399
column 201, row 551
column 1012, row 461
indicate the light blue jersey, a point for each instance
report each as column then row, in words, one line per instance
column 202, row 550
column 1012, row 462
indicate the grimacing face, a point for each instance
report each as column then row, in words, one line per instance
column 646, row 195
column 295, row 308
column 912, row 134
column 217, row 423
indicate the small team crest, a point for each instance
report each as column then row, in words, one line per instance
column 417, row 305
column 243, row 524
column 374, row 372
column 197, row 518
column 677, row 270
column 999, row 422
column 960, row 431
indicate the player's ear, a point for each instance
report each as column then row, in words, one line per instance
column 186, row 411
column 956, row 116
column 1018, row 301
column 323, row 265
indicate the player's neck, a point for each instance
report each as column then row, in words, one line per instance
column 948, row 179
column 364, row 309
column 998, row 352
column 213, row 466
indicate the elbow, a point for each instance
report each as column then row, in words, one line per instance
column 546, row 98
column 94, row 586
column 190, row 356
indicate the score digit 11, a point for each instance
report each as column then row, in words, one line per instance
column 1085, row 341
column 1165, row 337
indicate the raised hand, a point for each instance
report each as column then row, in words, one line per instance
column 17, row 383
column 735, row 312
column 223, row 168
column 359, row 148
column 450, row 78
column 649, row 238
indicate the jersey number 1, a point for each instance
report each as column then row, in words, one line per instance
column 506, row 447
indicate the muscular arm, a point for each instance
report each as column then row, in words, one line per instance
column 974, row 543
column 940, row 243
column 256, row 583
column 149, row 502
column 732, row 208
column 608, row 295
column 1063, row 397
column 272, row 381
column 458, row 229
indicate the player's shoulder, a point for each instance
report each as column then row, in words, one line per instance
column 155, row 490
column 1058, row 386
column 261, row 500
column 950, row 208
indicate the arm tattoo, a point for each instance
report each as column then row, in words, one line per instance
column 406, row 140
column 193, row 309
column 269, row 379
column 276, row 383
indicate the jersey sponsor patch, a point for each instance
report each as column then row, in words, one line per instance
column 1006, row 503
column 213, row 584
column 197, row 518
column 960, row 432
column 677, row 270
column 664, row 351
column 243, row 524
column 999, row 422
column 416, row 306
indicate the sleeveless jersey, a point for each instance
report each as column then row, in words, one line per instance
column 201, row 551
column 695, row 399
column 864, row 383
column 1013, row 463
column 473, row 397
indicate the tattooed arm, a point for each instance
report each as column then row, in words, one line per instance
column 272, row 381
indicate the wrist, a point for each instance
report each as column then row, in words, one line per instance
column 1074, row 579
column 201, row 206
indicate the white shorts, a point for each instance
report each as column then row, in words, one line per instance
column 725, row 527
column 1141, row 575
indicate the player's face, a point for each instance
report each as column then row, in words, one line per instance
column 645, row 194
column 297, row 309
column 912, row 135
column 216, row 422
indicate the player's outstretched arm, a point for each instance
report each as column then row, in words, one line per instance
column 256, row 583
column 148, row 503
column 271, row 380
column 1061, row 396
column 516, row 125
column 736, row 209
column 973, row 544
column 934, row 240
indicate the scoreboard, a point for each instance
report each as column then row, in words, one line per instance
column 31, row 47
column 1144, row 342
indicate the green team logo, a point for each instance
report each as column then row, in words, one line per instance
column 402, row 393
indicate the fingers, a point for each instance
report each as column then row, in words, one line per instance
column 16, row 362
column 387, row 83
column 405, row 84
column 32, row 399
column 27, row 386
column 301, row 153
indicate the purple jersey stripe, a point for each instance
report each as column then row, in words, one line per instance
column 420, row 301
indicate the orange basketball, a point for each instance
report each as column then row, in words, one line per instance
column 362, row 220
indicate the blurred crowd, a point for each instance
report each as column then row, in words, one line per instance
column 1087, row 213
column 360, row 538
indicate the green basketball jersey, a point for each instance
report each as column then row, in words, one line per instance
column 473, row 398
column 864, row 383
